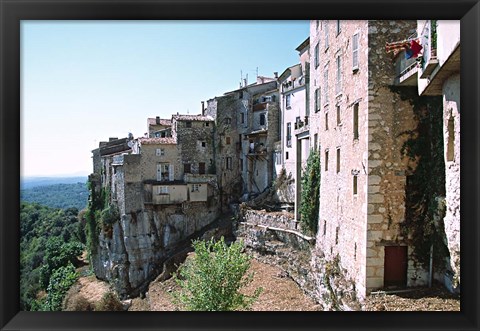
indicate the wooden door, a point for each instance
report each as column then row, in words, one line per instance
column 395, row 266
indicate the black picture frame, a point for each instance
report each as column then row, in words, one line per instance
column 13, row 11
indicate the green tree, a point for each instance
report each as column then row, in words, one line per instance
column 310, row 197
column 60, row 281
column 211, row 280
column 58, row 254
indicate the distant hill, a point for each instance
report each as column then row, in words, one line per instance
column 62, row 195
column 29, row 182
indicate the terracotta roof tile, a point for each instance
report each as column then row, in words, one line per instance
column 157, row 141
column 153, row 121
column 193, row 118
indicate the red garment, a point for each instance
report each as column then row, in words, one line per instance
column 415, row 47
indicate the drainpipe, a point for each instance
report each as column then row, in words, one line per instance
column 430, row 271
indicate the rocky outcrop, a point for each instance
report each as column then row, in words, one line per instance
column 133, row 253
column 273, row 239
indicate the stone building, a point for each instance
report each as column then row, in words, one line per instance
column 360, row 124
column 246, row 124
column 294, row 148
column 159, row 192
column 439, row 75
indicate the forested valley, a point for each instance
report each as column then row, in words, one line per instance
column 51, row 241
column 59, row 195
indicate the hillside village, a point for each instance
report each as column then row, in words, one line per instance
column 378, row 102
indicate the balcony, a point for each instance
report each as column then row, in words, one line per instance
column 293, row 84
column 301, row 126
column 429, row 42
column 407, row 70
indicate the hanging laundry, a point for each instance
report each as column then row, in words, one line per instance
column 397, row 47
column 415, row 48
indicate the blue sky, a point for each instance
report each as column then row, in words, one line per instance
column 85, row 81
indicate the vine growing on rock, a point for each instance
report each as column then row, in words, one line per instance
column 310, row 196
column 425, row 187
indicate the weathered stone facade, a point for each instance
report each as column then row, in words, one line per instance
column 439, row 75
column 161, row 203
column 359, row 124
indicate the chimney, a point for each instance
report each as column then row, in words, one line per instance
column 275, row 74
column 157, row 120
column 203, row 108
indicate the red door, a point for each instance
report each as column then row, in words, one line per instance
column 395, row 266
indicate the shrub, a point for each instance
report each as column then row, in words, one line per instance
column 109, row 302
column 310, row 196
column 60, row 282
column 212, row 278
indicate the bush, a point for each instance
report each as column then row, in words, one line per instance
column 109, row 302
column 60, row 282
column 212, row 278
column 310, row 196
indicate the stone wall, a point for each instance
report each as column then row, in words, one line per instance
column 149, row 159
column 196, row 143
column 342, row 219
column 389, row 120
column 271, row 239
column 451, row 133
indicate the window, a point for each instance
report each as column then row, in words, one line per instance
column 339, row 120
column 326, row 121
column 326, row 160
column 228, row 163
column 315, row 141
column 207, row 123
column 228, row 120
column 204, row 144
column 227, row 140
column 338, row 82
column 289, row 134
column 162, row 189
column 355, row 52
column 355, row 184
column 262, row 119
column 326, row 35
column 316, row 23
column 240, row 95
column 240, row 164
column 339, row 28
column 195, row 187
column 286, row 155
column 338, row 160
column 316, row 59
column 160, row 152
column 188, row 124
column 287, row 100
column 187, row 168
column 278, row 158
column 317, row 99
column 242, row 118
column 325, row 86
column 201, row 168
column 451, row 139
column 355, row 121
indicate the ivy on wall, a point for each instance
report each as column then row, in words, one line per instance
column 425, row 187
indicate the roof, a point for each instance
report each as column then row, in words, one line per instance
column 193, row 118
column 283, row 75
column 153, row 121
column 157, row 141
column 303, row 45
